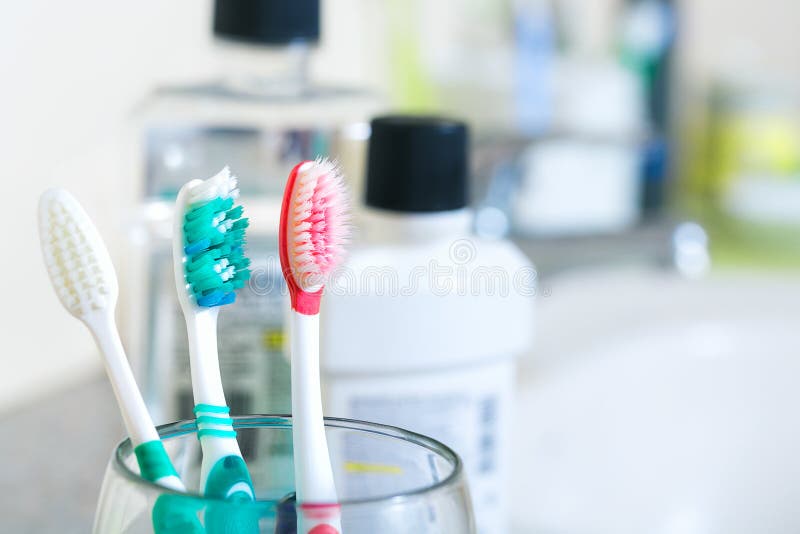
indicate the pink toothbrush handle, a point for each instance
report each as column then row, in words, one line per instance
column 319, row 519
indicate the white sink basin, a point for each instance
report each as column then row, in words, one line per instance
column 658, row 405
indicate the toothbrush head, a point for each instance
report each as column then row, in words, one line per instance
column 77, row 261
column 314, row 229
column 209, row 242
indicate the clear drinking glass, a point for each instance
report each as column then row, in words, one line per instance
column 388, row 480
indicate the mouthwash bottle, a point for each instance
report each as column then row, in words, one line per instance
column 260, row 115
column 422, row 326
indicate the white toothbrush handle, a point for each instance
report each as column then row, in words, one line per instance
column 312, row 465
column 153, row 459
column 207, row 389
column 134, row 411
column 201, row 328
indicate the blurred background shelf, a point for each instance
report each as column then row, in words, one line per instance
column 649, row 244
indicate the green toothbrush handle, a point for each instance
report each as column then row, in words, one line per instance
column 224, row 477
column 230, row 480
column 177, row 514
column 172, row 514
column 228, row 483
column 154, row 463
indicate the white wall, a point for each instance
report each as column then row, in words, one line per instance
column 71, row 71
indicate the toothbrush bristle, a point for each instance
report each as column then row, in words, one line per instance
column 76, row 259
column 318, row 224
column 214, row 237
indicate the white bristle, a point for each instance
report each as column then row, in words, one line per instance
column 318, row 223
column 223, row 185
column 78, row 263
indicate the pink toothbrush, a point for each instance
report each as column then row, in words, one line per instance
column 313, row 231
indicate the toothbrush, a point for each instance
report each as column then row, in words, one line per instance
column 83, row 277
column 209, row 267
column 314, row 227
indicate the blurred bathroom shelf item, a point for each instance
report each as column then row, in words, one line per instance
column 454, row 57
column 668, row 240
column 744, row 182
column 585, row 177
column 666, row 243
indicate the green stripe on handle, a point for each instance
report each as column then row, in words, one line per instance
column 211, row 408
column 154, row 462
column 216, row 420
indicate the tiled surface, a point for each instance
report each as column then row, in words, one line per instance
column 52, row 459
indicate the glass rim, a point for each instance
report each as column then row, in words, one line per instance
column 189, row 426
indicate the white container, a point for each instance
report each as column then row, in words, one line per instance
column 421, row 330
column 586, row 178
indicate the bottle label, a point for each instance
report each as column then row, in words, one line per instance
column 467, row 409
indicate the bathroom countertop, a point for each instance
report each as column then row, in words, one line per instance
column 52, row 459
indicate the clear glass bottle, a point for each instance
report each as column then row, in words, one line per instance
column 260, row 116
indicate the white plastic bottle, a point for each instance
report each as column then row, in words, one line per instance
column 422, row 326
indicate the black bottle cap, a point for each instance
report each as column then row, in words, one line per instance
column 267, row 21
column 417, row 164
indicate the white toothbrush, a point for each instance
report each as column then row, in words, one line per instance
column 83, row 276
column 313, row 230
column 209, row 267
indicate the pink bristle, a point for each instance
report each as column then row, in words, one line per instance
column 318, row 225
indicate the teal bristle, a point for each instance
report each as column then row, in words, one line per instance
column 214, row 239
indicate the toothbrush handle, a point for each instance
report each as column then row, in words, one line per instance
column 316, row 492
column 201, row 328
column 172, row 514
column 134, row 411
column 223, row 472
column 155, row 465
column 319, row 519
